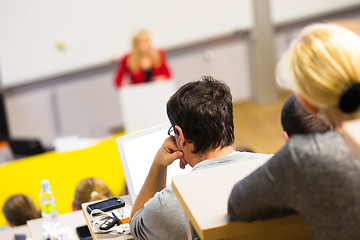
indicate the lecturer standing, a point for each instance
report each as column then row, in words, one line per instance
column 143, row 63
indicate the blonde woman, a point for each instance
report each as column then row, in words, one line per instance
column 315, row 175
column 143, row 63
column 88, row 190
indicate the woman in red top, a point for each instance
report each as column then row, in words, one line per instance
column 143, row 64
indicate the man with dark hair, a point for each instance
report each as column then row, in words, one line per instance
column 295, row 119
column 202, row 129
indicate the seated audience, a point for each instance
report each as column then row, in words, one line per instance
column 88, row 190
column 143, row 64
column 19, row 209
column 202, row 135
column 315, row 175
column 295, row 119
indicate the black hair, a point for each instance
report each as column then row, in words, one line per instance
column 204, row 111
column 350, row 100
column 295, row 119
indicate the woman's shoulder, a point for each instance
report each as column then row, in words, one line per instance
column 125, row 60
column 125, row 57
column 314, row 142
column 315, row 139
column 319, row 147
column 161, row 51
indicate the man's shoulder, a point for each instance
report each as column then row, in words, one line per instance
column 162, row 205
column 249, row 155
column 161, row 216
column 231, row 158
column 163, row 198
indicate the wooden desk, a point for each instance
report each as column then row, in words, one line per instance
column 10, row 233
column 204, row 196
column 72, row 220
column 128, row 205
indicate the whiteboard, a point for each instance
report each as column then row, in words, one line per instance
column 283, row 11
column 95, row 32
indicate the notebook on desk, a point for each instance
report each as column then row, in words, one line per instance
column 137, row 151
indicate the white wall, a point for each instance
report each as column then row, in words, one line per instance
column 30, row 114
column 290, row 11
column 227, row 60
column 96, row 32
column 88, row 107
column 87, row 104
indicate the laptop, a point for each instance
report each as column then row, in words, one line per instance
column 137, row 151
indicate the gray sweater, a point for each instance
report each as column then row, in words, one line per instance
column 163, row 217
column 315, row 175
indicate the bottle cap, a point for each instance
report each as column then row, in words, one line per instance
column 45, row 185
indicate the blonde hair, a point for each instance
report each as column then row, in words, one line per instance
column 135, row 56
column 324, row 63
column 90, row 189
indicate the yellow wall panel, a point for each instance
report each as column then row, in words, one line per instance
column 64, row 171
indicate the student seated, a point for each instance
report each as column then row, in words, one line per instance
column 295, row 119
column 202, row 135
column 88, row 190
column 19, row 209
column 315, row 175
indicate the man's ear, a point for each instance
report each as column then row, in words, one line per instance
column 286, row 136
column 307, row 105
column 10, row 224
column 73, row 207
column 181, row 136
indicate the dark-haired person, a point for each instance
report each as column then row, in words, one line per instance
column 18, row 209
column 315, row 175
column 201, row 115
column 295, row 119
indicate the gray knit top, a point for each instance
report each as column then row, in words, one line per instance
column 316, row 176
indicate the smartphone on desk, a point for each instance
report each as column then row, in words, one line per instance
column 20, row 237
column 83, row 233
column 107, row 205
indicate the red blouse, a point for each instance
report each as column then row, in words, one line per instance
column 139, row 76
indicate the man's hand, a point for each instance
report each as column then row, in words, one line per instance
column 168, row 153
column 156, row 179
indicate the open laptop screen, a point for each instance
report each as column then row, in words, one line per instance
column 137, row 152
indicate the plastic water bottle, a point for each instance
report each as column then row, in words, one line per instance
column 48, row 207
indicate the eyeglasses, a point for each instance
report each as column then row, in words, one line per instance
column 171, row 131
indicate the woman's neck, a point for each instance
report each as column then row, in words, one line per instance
column 143, row 55
column 336, row 117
